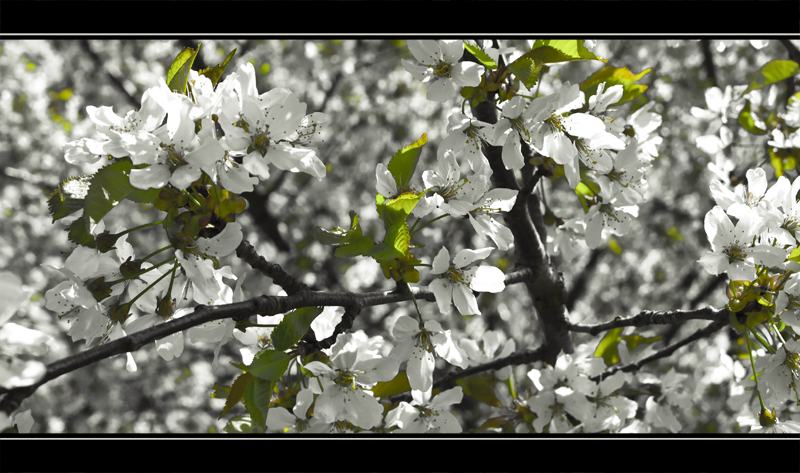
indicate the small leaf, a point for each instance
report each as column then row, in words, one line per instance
column 257, row 397
column 480, row 55
column 607, row 348
column 634, row 341
column 215, row 72
column 404, row 162
column 560, row 50
column 178, row 73
column 616, row 76
column 69, row 197
column 108, row 187
column 747, row 122
column 294, row 325
column 269, row 364
column 479, row 386
column 399, row 384
column 236, row 392
column 398, row 209
column 526, row 70
column 771, row 72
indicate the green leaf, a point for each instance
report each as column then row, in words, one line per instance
column 747, row 122
column 526, row 70
column 395, row 245
column 79, row 234
column 358, row 246
column 616, row 76
column 399, row 384
column 108, row 187
column 795, row 255
column 559, row 50
column 771, row 72
column 607, row 348
column 294, row 325
column 404, row 162
column 480, row 55
column 236, row 392
column 479, row 386
column 178, row 73
column 634, row 341
column 395, row 210
column 215, row 72
column 256, row 399
column 269, row 364
column 69, row 197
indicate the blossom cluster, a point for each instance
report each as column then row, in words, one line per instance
column 225, row 135
column 759, row 255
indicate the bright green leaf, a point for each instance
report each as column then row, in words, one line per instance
column 397, row 385
column 215, row 72
column 359, row 246
column 395, row 245
column 398, row 209
column 178, row 73
column 607, row 348
column 560, row 50
column 269, row 364
column 404, row 162
column 526, row 70
column 294, row 325
column 616, row 76
column 635, row 340
column 747, row 122
column 480, row 55
column 771, row 72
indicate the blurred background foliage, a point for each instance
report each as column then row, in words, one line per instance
column 375, row 108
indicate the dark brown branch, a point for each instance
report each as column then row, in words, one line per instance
column 262, row 305
column 579, row 284
column 274, row 271
column 546, row 286
column 708, row 61
column 664, row 352
column 653, row 317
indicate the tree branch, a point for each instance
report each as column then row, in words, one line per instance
column 665, row 352
column 546, row 285
column 273, row 271
column 262, row 305
column 651, row 317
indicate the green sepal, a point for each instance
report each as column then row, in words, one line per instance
column 178, row 73
column 294, row 325
column 747, row 122
column 269, row 364
column 404, row 162
column 616, row 76
column 235, row 393
column 771, row 72
column 256, row 399
column 480, row 55
column 69, row 197
column 783, row 159
column 215, row 72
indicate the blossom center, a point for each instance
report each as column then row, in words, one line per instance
column 347, row 378
column 735, row 252
column 442, row 69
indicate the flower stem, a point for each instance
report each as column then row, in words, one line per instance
column 413, row 299
column 139, row 228
column 156, row 281
column 142, row 272
column 753, row 364
column 428, row 223
column 156, row 252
